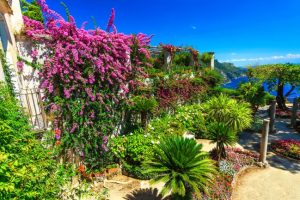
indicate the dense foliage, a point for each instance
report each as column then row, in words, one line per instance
column 7, row 72
column 277, row 76
column 193, row 120
column 237, row 115
column 32, row 10
column 87, row 76
column 143, row 105
column 181, row 165
column 254, row 93
column 132, row 150
column 27, row 169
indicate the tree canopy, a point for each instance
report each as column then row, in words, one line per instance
column 278, row 75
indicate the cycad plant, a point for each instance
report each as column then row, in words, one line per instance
column 237, row 115
column 222, row 135
column 181, row 165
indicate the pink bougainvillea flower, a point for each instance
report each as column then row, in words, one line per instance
column 88, row 73
column 20, row 66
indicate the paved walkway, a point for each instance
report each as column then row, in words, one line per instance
column 281, row 181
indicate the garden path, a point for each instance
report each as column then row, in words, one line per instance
column 278, row 182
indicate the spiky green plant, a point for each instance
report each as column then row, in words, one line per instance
column 223, row 109
column 181, row 165
column 222, row 135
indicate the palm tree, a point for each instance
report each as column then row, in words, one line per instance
column 181, row 165
column 223, row 109
column 223, row 135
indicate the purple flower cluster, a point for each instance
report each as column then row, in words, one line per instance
column 86, row 73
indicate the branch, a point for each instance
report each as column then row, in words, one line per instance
column 290, row 91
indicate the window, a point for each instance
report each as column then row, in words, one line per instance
column 3, row 33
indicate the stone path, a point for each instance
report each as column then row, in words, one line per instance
column 281, row 181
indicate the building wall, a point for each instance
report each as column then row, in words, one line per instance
column 13, row 44
column 11, row 16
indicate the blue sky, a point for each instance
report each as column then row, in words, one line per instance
column 244, row 32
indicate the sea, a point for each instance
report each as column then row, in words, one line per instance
column 234, row 83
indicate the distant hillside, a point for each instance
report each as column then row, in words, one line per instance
column 229, row 71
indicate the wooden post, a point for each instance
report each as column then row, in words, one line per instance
column 272, row 116
column 294, row 113
column 264, row 142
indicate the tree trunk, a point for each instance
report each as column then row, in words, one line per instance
column 280, row 97
column 144, row 119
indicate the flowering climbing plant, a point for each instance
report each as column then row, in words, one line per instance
column 87, row 75
column 169, row 48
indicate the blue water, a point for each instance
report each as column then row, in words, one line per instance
column 235, row 83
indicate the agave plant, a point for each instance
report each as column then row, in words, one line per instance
column 222, row 135
column 181, row 165
column 234, row 114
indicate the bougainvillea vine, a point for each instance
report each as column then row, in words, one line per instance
column 86, row 76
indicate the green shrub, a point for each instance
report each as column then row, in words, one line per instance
column 192, row 118
column 206, row 58
column 32, row 10
column 213, row 77
column 132, row 150
column 165, row 126
column 182, row 58
column 254, row 93
column 223, row 109
column 226, row 91
column 27, row 170
column 143, row 104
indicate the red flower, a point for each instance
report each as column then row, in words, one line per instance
column 81, row 168
column 57, row 143
column 57, row 131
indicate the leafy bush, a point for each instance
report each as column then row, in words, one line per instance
column 192, row 118
column 289, row 148
column 226, row 91
column 27, row 170
column 206, row 58
column 213, row 77
column 143, row 106
column 32, row 10
column 165, row 126
column 254, row 94
column 182, row 59
column 235, row 114
column 132, row 150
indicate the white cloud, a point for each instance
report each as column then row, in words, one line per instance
column 287, row 56
column 233, row 54
column 194, row 27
